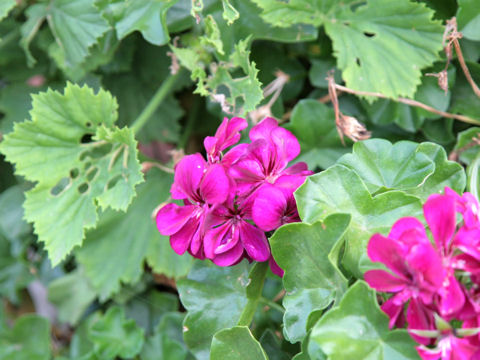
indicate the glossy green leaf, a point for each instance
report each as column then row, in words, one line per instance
column 78, row 158
column 112, row 335
column 447, row 173
column 313, row 123
column 29, row 339
column 468, row 19
column 358, row 329
column 5, row 7
column 134, row 236
column 146, row 16
column 215, row 298
column 311, row 278
column 272, row 346
column 76, row 25
column 167, row 341
column 71, row 294
column 383, row 166
column 464, row 100
column 36, row 15
column 473, row 177
column 340, row 190
column 236, row 343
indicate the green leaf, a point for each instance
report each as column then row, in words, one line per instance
column 311, row 278
column 29, row 339
column 113, row 335
column 134, row 236
column 76, row 25
column 73, row 173
column 398, row 33
column 358, row 329
column 212, row 35
column 14, row 268
column 230, row 14
column 340, row 190
column 146, row 16
column 236, row 343
column 313, row 123
column 36, row 15
column 465, row 137
column 447, row 173
column 71, row 294
column 473, row 180
column 468, row 18
column 272, row 346
column 167, row 341
column 383, row 166
column 464, row 100
column 5, row 7
column 214, row 298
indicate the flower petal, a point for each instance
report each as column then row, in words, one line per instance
column 188, row 175
column 254, row 241
column 268, row 208
column 452, row 297
column 181, row 240
column 419, row 317
column 277, row 270
column 231, row 257
column 382, row 280
column 439, row 211
column 388, row 252
column 263, row 129
column 215, row 185
column 172, row 217
column 286, row 143
column 409, row 231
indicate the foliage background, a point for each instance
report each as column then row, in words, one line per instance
column 81, row 261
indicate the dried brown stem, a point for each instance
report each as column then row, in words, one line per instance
column 454, row 155
column 411, row 102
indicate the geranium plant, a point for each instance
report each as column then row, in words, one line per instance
column 239, row 179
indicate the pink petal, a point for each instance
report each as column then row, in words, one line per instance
column 427, row 263
column 263, row 129
column 452, row 297
column 388, row 252
column 419, row 317
column 188, row 175
column 215, row 185
column 269, row 208
column 234, row 154
column 229, row 134
column 171, row 218
column 254, row 241
column 209, row 143
column 394, row 312
column 286, row 142
column 211, row 238
column 381, row 280
column 231, row 257
column 228, row 241
column 409, row 231
column 277, row 270
column 289, row 183
column 429, row 354
column 181, row 240
column 439, row 211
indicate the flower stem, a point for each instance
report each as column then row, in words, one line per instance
column 254, row 292
column 271, row 304
column 154, row 102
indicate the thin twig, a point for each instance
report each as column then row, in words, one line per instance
column 455, row 154
column 410, row 102
column 147, row 165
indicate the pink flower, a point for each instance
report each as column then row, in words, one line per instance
column 416, row 271
column 199, row 186
column 228, row 134
column 450, row 347
column 231, row 236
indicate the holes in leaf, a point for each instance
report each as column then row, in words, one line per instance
column 346, row 23
column 62, row 184
column 369, row 34
column 113, row 181
column 357, row 60
column 97, row 152
column 83, row 188
column 87, row 165
column 91, row 173
column 74, row 173
column 88, row 124
column 86, row 138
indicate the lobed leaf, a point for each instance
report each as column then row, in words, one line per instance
column 236, row 343
column 357, row 328
column 79, row 160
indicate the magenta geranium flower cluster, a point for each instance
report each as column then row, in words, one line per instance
column 231, row 199
column 434, row 285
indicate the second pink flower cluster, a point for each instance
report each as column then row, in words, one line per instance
column 231, row 199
